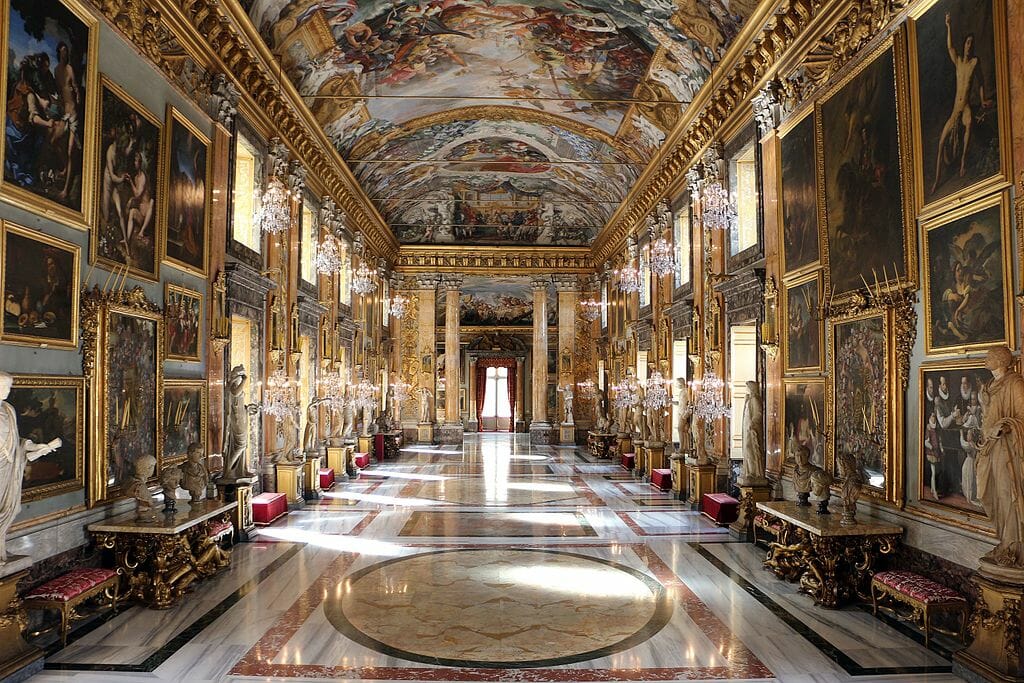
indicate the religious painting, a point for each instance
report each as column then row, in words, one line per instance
column 499, row 301
column 128, row 185
column 187, row 217
column 962, row 132
column 48, row 408
column 952, row 407
column 801, row 309
column 968, row 303
column 49, row 94
column 39, row 280
column 859, row 395
column 867, row 228
column 183, row 313
column 799, row 196
column 184, row 417
column 803, row 419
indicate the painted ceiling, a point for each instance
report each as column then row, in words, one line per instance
column 498, row 121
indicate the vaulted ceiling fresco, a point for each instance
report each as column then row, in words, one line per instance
column 498, row 121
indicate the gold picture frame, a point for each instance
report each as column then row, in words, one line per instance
column 108, row 382
column 53, row 384
column 11, row 191
column 815, row 421
column 1000, row 177
column 813, row 310
column 182, row 306
column 942, row 331
column 70, row 256
column 174, row 118
column 788, row 129
column 177, row 430
column 903, row 154
column 880, row 430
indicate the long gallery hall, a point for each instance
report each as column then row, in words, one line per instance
column 512, row 341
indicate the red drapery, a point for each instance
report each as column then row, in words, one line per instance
column 481, row 386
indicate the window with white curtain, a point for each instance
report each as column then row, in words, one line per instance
column 496, row 402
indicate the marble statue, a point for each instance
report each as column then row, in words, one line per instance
column 853, row 481
column 138, row 487
column 349, row 421
column 683, row 433
column 1000, row 477
column 425, row 397
column 654, row 420
column 309, row 435
column 237, row 432
column 15, row 453
column 567, row 398
column 808, row 478
column 196, row 476
column 170, row 478
column 752, row 472
column 639, row 423
column 601, row 418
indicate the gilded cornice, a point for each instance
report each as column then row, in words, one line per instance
column 493, row 260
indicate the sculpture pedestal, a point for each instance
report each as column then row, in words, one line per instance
column 995, row 654
column 425, row 432
column 567, row 434
column 701, row 480
column 640, row 450
column 18, row 659
column 311, row 478
column 289, row 482
column 239, row 491
column 451, row 433
column 655, row 457
column 365, row 444
column 678, row 467
column 625, row 442
column 540, row 433
column 337, row 459
column 750, row 496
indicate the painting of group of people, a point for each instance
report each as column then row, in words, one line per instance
column 183, row 310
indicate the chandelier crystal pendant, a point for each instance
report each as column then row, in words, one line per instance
column 401, row 305
column 363, row 280
column 627, row 394
column 332, row 384
column 629, row 278
column 590, row 309
column 328, row 260
column 663, row 259
column 710, row 402
column 656, row 392
column 274, row 212
column 717, row 210
column 279, row 400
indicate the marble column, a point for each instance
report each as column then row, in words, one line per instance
column 427, row 324
column 474, row 425
column 451, row 429
column 520, row 395
column 568, row 293
column 540, row 427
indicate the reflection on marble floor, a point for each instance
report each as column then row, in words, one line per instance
column 499, row 561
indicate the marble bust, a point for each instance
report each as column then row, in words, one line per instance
column 138, row 487
column 195, row 474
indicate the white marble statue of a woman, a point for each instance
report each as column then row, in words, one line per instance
column 752, row 473
column 685, row 413
column 15, row 453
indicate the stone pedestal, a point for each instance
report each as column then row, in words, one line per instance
column 679, row 482
column 540, row 433
column 364, row 444
column 311, row 478
column 567, row 434
column 452, row 433
column 654, row 457
column 425, row 432
column 625, row 442
column 18, row 659
column 289, row 482
column 337, row 459
column 701, row 480
column 995, row 654
column 750, row 495
column 239, row 490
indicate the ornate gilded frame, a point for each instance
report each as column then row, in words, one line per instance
column 793, row 283
column 203, row 387
column 29, row 201
column 141, row 110
column 97, row 307
column 784, row 130
column 62, row 382
column 1002, row 200
column 823, row 426
column 170, row 288
column 7, row 227
column 906, row 162
column 174, row 116
column 1002, row 177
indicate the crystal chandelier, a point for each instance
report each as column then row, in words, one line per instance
column 717, row 211
column 328, row 259
column 362, row 280
column 274, row 212
column 656, row 394
column 627, row 394
column 663, row 258
column 279, row 400
column 587, row 389
column 401, row 305
column 365, row 395
column 590, row 309
column 629, row 278
column 402, row 391
column 710, row 402
column 332, row 385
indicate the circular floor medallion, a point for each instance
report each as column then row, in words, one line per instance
column 500, row 608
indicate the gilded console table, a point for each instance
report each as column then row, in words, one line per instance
column 600, row 444
column 833, row 563
column 159, row 559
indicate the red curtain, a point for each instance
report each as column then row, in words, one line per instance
column 481, row 389
column 481, row 386
column 512, row 397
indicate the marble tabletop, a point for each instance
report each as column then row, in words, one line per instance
column 807, row 518
column 186, row 515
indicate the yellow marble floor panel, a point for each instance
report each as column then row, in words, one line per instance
column 497, row 524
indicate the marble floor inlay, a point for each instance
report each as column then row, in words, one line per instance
column 497, row 524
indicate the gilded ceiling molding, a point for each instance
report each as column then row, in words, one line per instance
column 493, row 260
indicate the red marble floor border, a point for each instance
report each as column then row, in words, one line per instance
column 742, row 663
column 411, row 490
column 639, row 530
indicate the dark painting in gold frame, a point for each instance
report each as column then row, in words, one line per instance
column 186, row 218
column 801, row 314
column 798, row 196
column 183, row 312
column 803, row 418
column 47, row 408
column 184, row 417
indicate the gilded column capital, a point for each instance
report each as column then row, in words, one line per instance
column 540, row 282
column 566, row 283
column 452, row 281
column 427, row 280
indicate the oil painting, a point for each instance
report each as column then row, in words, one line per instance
column 187, row 213
column 803, row 418
column 952, row 407
column 39, row 280
column 967, row 286
column 183, row 313
column 799, row 196
column 802, row 343
column 128, row 185
column 48, row 408
column 500, row 301
column 864, row 213
column 960, row 57
column 50, row 82
column 184, row 417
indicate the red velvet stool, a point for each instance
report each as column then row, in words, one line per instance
column 662, row 479
column 628, row 460
column 362, row 460
column 326, row 478
column 267, row 507
column 720, row 507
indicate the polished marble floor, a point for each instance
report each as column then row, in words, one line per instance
column 496, row 561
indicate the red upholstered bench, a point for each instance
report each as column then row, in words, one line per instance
column 326, row 478
column 662, row 479
column 767, row 525
column 362, row 460
column 267, row 507
column 628, row 460
column 68, row 591
column 923, row 595
column 221, row 529
column 721, row 508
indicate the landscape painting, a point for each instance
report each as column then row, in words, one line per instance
column 48, row 408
